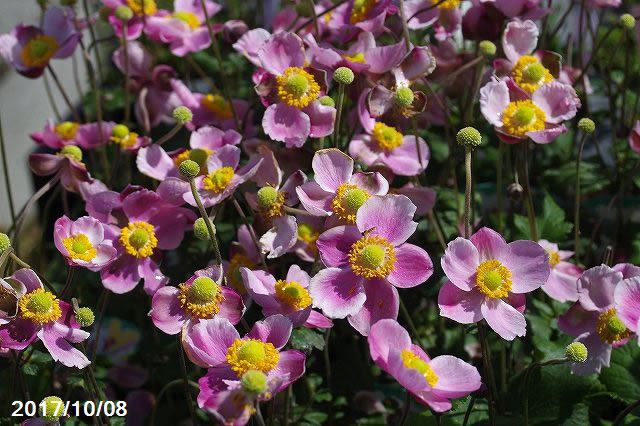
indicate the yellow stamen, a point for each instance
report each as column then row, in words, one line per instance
column 39, row 306
column 297, row 88
column 202, row 298
column 358, row 58
column 447, row 4
column 218, row 180
column 530, row 74
column 188, row 18
column 414, row 362
column 372, row 257
column 67, row 130
column 292, row 294
column 493, row 279
column 127, row 141
column 143, row 7
column 521, row 117
column 218, row 105
column 38, row 51
column 139, row 239
column 252, row 354
column 360, row 10
column 307, row 234
column 270, row 203
column 387, row 137
column 554, row 258
column 610, row 327
column 349, row 198
column 234, row 279
column 79, row 247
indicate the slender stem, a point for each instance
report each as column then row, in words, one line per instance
column 92, row 33
column 63, row 92
column 98, row 324
column 407, row 318
column 436, row 227
column 488, row 371
column 576, row 217
column 30, row 202
column 531, row 212
column 620, row 417
column 467, row 414
column 318, row 15
column 467, row 192
column 405, row 28
column 185, row 380
column 67, row 284
column 499, row 183
column 170, row 134
column 252, row 232
column 52, row 102
column 327, row 372
column 405, row 409
column 125, row 50
column 24, row 264
column 203, row 75
column 7, row 181
column 161, row 394
column 287, row 404
column 207, row 221
column 336, row 130
column 259, row 418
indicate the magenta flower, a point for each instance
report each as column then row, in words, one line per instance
column 65, row 165
column 28, row 49
column 352, row 17
column 634, row 138
column 290, row 90
column 562, row 284
column 147, row 225
column 627, row 303
column 142, row 10
column 444, row 16
column 155, row 162
column 174, row 309
column 57, row 136
column 215, row 344
column 82, row 242
column 594, row 320
column 337, row 192
column 242, row 253
column 38, row 314
column 309, row 229
column 516, row 116
column 424, row 198
column 367, row 261
column 432, row 382
column 185, row 30
column 488, row 279
column 289, row 297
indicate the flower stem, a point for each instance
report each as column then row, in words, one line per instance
column 576, row 217
column 620, row 417
column 488, row 371
column 63, row 92
column 499, row 190
column 467, row 192
column 7, row 181
column 405, row 409
column 103, row 301
column 531, row 212
column 161, row 394
column 125, row 50
column 527, row 380
column 467, row 414
column 185, row 381
column 171, row 133
column 207, row 221
column 336, row 130
column 67, row 284
column 52, row 102
column 327, row 372
column 252, row 232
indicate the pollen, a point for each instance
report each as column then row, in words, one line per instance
column 297, row 88
column 349, row 198
column 493, row 279
column 270, row 202
column 234, row 279
column 188, row 18
column 202, row 298
column 39, row 50
column 126, row 141
column 414, row 362
column 448, row 4
column 360, row 10
column 218, row 105
column 79, row 247
column 143, row 7
column 139, row 239
column 40, row 307
column 252, row 354
column 530, row 74
column 554, row 258
column 356, row 57
column 521, row 117
column 307, row 234
column 199, row 155
column 218, row 180
column 372, row 257
column 292, row 294
column 67, row 130
column 387, row 137
column 610, row 327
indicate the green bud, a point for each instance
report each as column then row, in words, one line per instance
column 85, row 316
column 487, row 48
column 120, row 131
column 343, row 75
column 51, row 408
column 72, row 151
column 200, row 229
column 587, row 125
column 327, row 101
column 254, row 381
column 124, row 13
column 627, row 21
column 5, row 242
column 182, row 114
column 267, row 196
column 576, row 352
column 404, row 96
column 469, row 136
column 189, row 169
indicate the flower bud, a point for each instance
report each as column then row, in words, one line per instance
column 327, row 101
column 5, row 242
column 487, row 48
column 189, row 169
column 200, row 229
column 85, row 316
column 124, row 13
column 515, row 191
column 404, row 96
column 587, row 125
column 120, row 131
column 469, row 136
column 254, row 381
column 576, row 352
column 267, row 196
column 51, row 408
column 72, row 151
column 627, row 21
column 182, row 114
column 343, row 75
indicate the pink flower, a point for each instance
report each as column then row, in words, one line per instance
column 446, row 16
column 289, row 297
column 174, row 309
column 82, row 242
column 290, row 90
column 634, row 138
column 57, row 136
column 38, row 314
column 424, row 198
column 147, row 224
column 488, row 279
column 517, row 116
column 432, row 382
column 337, row 192
column 185, row 30
column 28, row 49
column 594, row 320
column 627, row 302
column 65, row 165
column 242, row 253
column 142, row 10
column 367, row 261
column 352, row 17
column 215, row 344
column 562, row 284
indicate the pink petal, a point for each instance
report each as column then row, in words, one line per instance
column 315, row 200
column 389, row 216
column 413, row 266
column 460, row 262
column 386, row 336
column 281, row 51
column 291, row 365
column 596, row 287
column 337, row 292
column 286, row 124
column 207, row 341
column 332, row 168
column 166, row 312
column 382, row 303
column 461, row 306
column 503, row 318
column 528, row 263
column 494, row 98
column 456, row 378
column 322, row 119
column 519, row 38
column 559, row 101
column 627, row 298
column 57, row 337
column 334, row 245
column 275, row 329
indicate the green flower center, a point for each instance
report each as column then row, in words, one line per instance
column 534, row 73
column 72, row 151
column 80, row 246
column 199, row 156
column 203, row 290
column 254, row 381
column 267, row 196
column 297, row 84
column 139, row 238
column 524, row 115
column 252, row 352
column 372, row 256
column 615, row 325
column 354, row 199
column 120, row 131
column 40, row 303
column 492, row 279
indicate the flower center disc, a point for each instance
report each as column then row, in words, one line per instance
column 372, row 257
column 202, row 298
column 139, row 239
column 218, row 180
column 252, row 354
column 297, row 88
column 360, row 10
column 67, row 130
column 521, row 117
column 188, row 18
column 292, row 294
column 610, row 327
column 39, row 306
column 349, row 198
column 143, row 7
column 79, row 247
column 414, row 362
column 530, row 74
column 493, row 279
column 234, row 278
column 448, row 4
column 270, row 202
column 554, row 258
column 387, row 137
column 218, row 105
column 38, row 51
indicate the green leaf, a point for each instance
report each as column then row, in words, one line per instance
column 623, row 376
column 305, row 340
